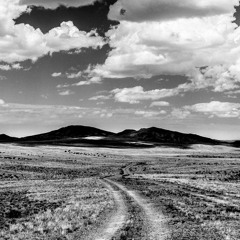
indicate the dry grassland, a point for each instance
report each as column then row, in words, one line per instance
column 56, row 192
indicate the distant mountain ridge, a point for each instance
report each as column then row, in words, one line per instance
column 160, row 135
column 78, row 134
column 6, row 138
column 74, row 131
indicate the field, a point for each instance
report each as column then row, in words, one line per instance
column 73, row 193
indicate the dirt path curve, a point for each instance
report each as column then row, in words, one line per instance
column 117, row 220
column 154, row 220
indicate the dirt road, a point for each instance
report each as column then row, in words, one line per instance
column 135, row 218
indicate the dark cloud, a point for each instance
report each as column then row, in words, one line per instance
column 151, row 10
column 85, row 18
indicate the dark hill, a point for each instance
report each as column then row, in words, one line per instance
column 6, row 138
column 159, row 135
column 125, row 133
column 68, row 133
column 236, row 143
column 76, row 135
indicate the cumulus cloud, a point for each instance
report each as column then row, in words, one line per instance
column 180, row 113
column 93, row 80
column 7, row 67
column 66, row 93
column 136, row 94
column 149, row 114
column 216, row 108
column 99, row 97
column 190, row 36
column 157, row 10
column 56, row 74
column 19, row 42
column 56, row 3
column 159, row 104
column 74, row 75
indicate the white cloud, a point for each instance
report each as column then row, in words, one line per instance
column 74, row 75
column 176, row 40
column 158, row 10
column 136, row 94
column 93, row 80
column 19, row 42
column 68, row 36
column 16, row 66
column 159, row 104
column 63, row 85
column 7, row 67
column 100, row 97
column 216, row 108
column 66, row 93
column 180, row 113
column 56, row 74
column 56, row 3
column 149, row 114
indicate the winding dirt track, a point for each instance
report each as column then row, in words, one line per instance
column 117, row 221
column 133, row 212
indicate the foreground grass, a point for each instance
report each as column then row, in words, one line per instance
column 50, row 193
column 54, row 210
column 54, row 192
column 198, row 195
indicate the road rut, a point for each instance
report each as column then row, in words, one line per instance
column 135, row 217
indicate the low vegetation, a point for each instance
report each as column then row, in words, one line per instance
column 199, row 196
column 55, row 192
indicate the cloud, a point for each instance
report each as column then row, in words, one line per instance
column 159, row 104
column 44, row 96
column 20, row 42
column 12, row 113
column 161, row 10
column 216, row 108
column 56, row 74
column 56, row 3
column 180, row 113
column 100, row 97
column 220, row 77
column 93, row 80
column 233, row 92
column 178, row 38
column 66, row 93
column 7, row 67
column 136, row 94
column 74, row 75
column 149, row 114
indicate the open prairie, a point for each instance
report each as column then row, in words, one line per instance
column 51, row 192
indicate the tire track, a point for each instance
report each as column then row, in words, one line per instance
column 153, row 221
column 135, row 217
column 117, row 220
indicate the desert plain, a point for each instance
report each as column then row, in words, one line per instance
column 161, row 193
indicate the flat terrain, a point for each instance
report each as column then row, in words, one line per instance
column 51, row 192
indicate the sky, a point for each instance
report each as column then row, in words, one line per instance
column 120, row 64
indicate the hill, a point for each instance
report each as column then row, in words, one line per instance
column 93, row 137
column 5, row 138
column 69, row 132
column 159, row 135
